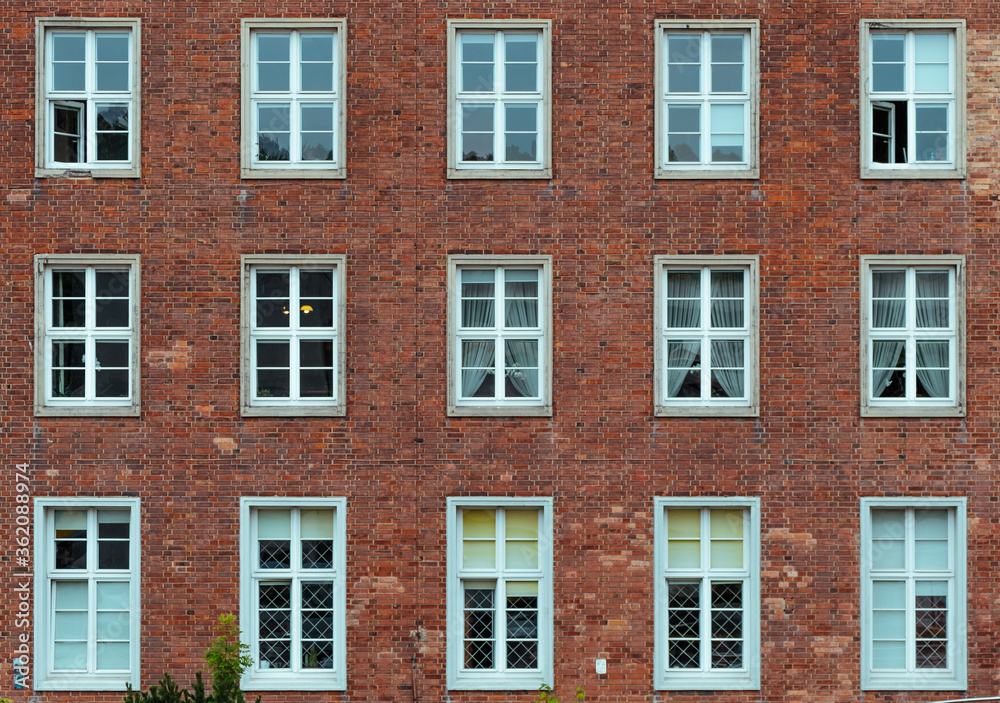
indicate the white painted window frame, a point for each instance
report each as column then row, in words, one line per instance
column 750, row 168
column 955, row 404
column 250, row 166
column 542, row 168
column 250, row 406
column 747, row 678
column 954, row 678
column 749, row 405
column 45, row 333
column 46, row 98
column 541, row 406
column 256, row 678
column 516, row 680
column 45, row 575
column 955, row 167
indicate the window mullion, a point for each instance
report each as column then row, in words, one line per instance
column 706, row 336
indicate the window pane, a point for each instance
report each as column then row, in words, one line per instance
column 477, row 62
column 113, row 595
column 522, row 78
column 727, row 554
column 70, row 625
column 479, row 533
column 273, row 65
column 69, row 656
column 521, row 524
column 727, row 64
column 68, row 57
column 274, row 524
column 273, row 127
column 888, row 73
column 684, row 63
column 726, row 523
column 479, row 630
column 521, row 68
column 71, row 595
column 477, row 118
column 888, row 654
column 932, row 63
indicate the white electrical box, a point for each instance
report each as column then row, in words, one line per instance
column 602, row 666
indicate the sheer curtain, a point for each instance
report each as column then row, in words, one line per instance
column 888, row 311
column 727, row 362
column 478, row 357
column 933, row 357
column 521, row 311
column 683, row 312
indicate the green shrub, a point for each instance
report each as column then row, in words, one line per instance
column 545, row 694
column 227, row 659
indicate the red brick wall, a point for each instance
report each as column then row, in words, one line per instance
column 602, row 456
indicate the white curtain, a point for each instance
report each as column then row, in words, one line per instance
column 727, row 299
column 728, row 364
column 888, row 311
column 521, row 359
column 478, row 360
column 683, row 312
column 933, row 357
column 521, row 311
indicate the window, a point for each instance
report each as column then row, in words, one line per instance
column 913, row 594
column 913, row 99
column 87, row 613
column 500, row 335
column 294, row 98
column 293, row 335
column 499, row 593
column 913, row 336
column 86, row 335
column 499, row 101
column 707, row 590
column 292, row 592
column 706, row 111
column 706, row 335
column 87, row 101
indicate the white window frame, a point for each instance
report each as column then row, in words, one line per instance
column 46, row 679
column 251, row 167
column 954, row 404
column 45, row 333
column 955, row 167
column 459, row 679
column 954, row 677
column 46, row 98
column 293, row 406
column 748, row 677
column 299, row 679
column 747, row 406
column 750, row 167
column 500, row 407
column 542, row 168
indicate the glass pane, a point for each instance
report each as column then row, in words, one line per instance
column 727, row 78
column 273, row 67
column 522, row 554
column 683, row 148
column 684, row 63
column 112, row 625
column 727, row 118
column 112, row 47
column 889, row 624
column 932, row 63
column 316, row 523
column 477, row 77
column 726, row 522
column 522, row 524
column 522, row 588
column 68, row 56
column 113, row 595
column 931, row 555
column 683, row 554
column 521, row 47
column 478, row 554
column 71, row 626
column 477, row 62
column 888, row 595
column 112, row 77
column 317, row 47
column 317, row 118
column 727, row 554
column 69, row 656
column 887, row 63
column 521, row 147
column 477, row 147
column 272, row 354
column 888, row 655
column 521, row 78
column 727, row 49
column 71, row 595
column 479, row 523
column 315, row 353
column 684, row 118
column 931, row 524
column 112, row 656
column 477, row 47
column 683, row 523
column 274, row 524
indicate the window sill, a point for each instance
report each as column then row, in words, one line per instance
column 292, row 410
column 698, row 173
column 500, row 411
column 913, row 411
column 84, row 172
column 87, row 411
column 867, row 172
column 499, row 173
column 706, row 411
column 293, row 173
